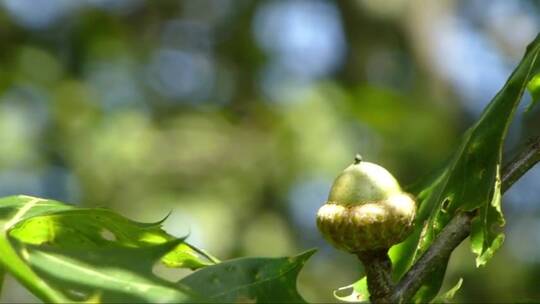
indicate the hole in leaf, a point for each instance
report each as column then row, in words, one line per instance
column 77, row 294
column 108, row 235
column 444, row 205
column 168, row 273
column 257, row 275
column 25, row 255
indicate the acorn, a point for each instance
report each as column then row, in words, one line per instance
column 366, row 209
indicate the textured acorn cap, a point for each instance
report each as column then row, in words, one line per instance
column 366, row 209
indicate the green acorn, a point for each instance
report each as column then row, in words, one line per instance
column 366, row 209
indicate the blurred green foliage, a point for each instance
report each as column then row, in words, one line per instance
column 236, row 115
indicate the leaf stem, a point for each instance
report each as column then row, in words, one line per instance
column 459, row 228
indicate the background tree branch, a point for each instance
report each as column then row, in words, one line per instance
column 459, row 228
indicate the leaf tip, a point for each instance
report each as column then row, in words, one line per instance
column 304, row 256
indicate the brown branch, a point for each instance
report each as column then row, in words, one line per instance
column 522, row 163
column 439, row 252
column 378, row 269
column 459, row 228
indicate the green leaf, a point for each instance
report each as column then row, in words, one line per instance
column 355, row 293
column 251, row 280
column 110, row 273
column 83, row 228
column 2, row 276
column 62, row 253
column 13, row 210
column 534, row 89
column 449, row 295
column 470, row 181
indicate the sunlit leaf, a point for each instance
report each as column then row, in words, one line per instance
column 471, row 180
column 116, row 273
column 62, row 253
column 82, row 228
column 355, row 293
column 449, row 295
column 534, row 88
column 2, row 276
column 13, row 210
column 250, row 280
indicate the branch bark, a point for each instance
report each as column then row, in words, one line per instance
column 459, row 229
column 378, row 269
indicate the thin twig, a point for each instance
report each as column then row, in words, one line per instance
column 459, row 228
